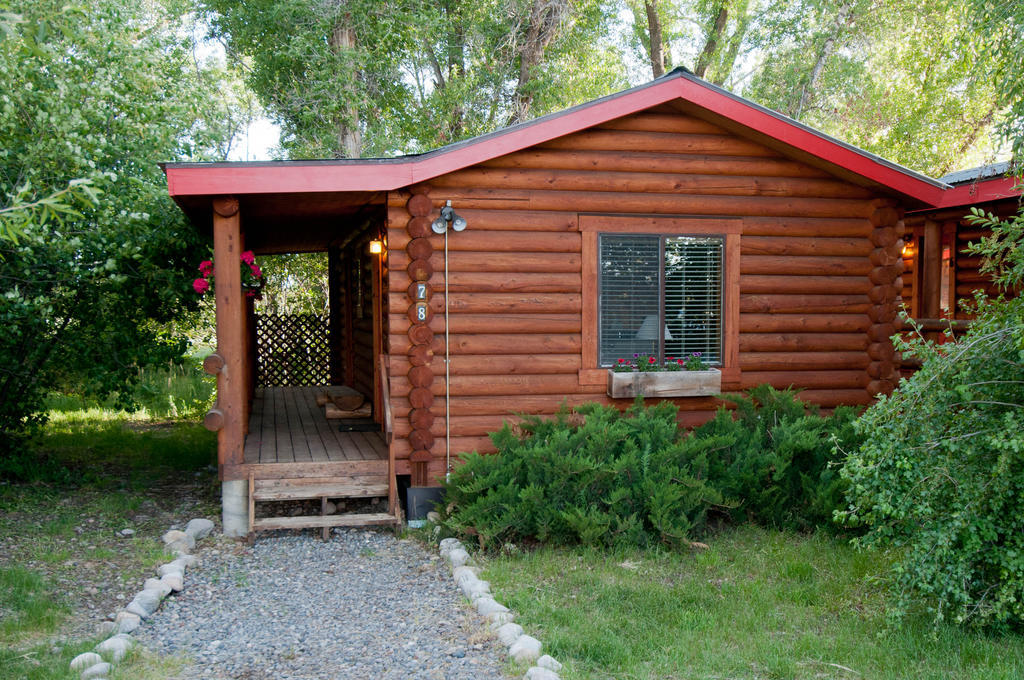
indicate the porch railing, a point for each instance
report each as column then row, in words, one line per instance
column 387, row 424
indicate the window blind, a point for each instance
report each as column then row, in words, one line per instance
column 693, row 296
column 659, row 295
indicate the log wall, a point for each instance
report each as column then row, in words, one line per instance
column 819, row 273
column 967, row 268
column 356, row 306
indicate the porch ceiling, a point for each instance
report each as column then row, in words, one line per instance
column 292, row 222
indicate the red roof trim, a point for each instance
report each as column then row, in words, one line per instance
column 805, row 139
column 993, row 189
column 386, row 175
column 376, row 175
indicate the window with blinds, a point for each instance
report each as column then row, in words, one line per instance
column 659, row 295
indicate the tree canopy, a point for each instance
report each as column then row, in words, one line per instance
column 365, row 78
column 93, row 253
column 923, row 85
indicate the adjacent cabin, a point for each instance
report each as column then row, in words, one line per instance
column 939, row 272
column 506, row 274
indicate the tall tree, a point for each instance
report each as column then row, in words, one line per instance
column 1000, row 26
column 542, row 23
column 898, row 78
column 655, row 38
column 410, row 76
column 911, row 82
column 316, row 64
column 708, row 35
column 723, row 28
column 98, row 97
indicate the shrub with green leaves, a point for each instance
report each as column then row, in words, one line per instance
column 941, row 472
column 606, row 478
column 635, row 478
column 774, row 458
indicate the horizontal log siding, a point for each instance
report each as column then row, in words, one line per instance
column 966, row 276
column 516, row 272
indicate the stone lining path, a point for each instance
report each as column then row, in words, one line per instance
column 291, row 607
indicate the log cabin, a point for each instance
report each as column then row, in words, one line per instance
column 506, row 274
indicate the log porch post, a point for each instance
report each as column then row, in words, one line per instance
column 335, row 323
column 231, row 345
column 931, row 270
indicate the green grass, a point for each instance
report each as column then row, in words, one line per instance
column 49, row 662
column 105, row 453
column 174, row 446
column 87, row 474
column 168, row 392
column 27, row 604
column 757, row 604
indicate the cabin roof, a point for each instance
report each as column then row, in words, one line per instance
column 679, row 88
column 982, row 172
column 984, row 183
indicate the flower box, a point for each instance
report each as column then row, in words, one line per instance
column 626, row 385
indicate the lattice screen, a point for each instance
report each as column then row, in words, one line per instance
column 293, row 349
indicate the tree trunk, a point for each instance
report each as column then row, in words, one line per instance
column 732, row 46
column 828, row 48
column 711, row 45
column 980, row 125
column 655, row 45
column 343, row 37
column 546, row 19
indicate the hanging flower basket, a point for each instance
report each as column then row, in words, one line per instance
column 643, row 376
column 252, row 276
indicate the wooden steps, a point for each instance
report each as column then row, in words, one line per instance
column 304, row 491
column 325, row 521
column 313, row 488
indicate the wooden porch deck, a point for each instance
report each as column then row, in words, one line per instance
column 287, row 427
column 293, row 452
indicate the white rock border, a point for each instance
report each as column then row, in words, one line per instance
column 92, row 665
column 521, row 647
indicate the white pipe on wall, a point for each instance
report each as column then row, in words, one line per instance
column 447, row 374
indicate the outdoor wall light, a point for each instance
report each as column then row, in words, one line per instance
column 448, row 214
column 376, row 247
column 908, row 248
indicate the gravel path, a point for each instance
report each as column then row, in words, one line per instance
column 291, row 607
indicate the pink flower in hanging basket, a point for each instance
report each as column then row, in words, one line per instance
column 201, row 286
column 248, row 257
column 256, row 271
column 206, row 268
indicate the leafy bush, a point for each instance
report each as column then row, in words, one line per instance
column 90, row 291
column 595, row 477
column 775, row 458
column 941, row 471
column 599, row 476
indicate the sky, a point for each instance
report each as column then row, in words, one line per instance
column 257, row 142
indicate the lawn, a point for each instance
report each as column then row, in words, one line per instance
column 89, row 473
column 756, row 604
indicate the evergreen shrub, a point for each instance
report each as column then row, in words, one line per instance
column 775, row 458
column 598, row 476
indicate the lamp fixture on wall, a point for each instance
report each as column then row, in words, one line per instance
column 908, row 247
column 448, row 214
column 376, row 247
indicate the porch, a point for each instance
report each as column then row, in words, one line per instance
column 293, row 452
column 287, row 429
column 275, row 442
